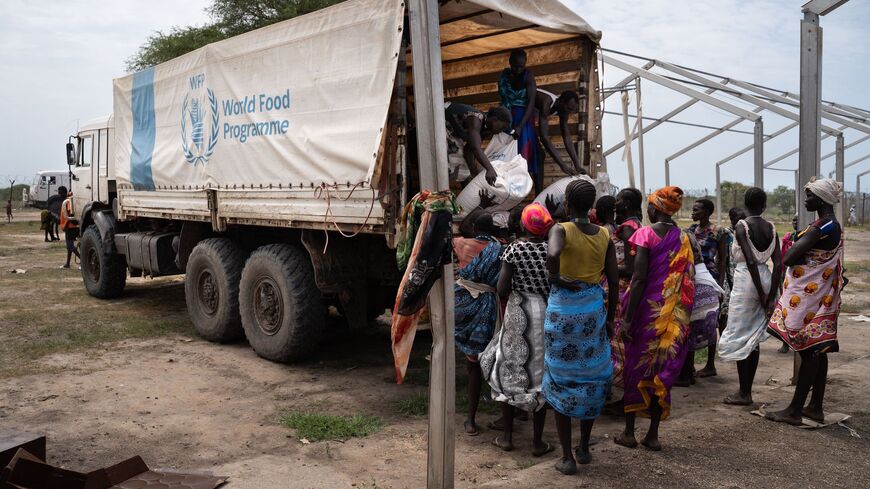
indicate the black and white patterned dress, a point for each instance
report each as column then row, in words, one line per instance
column 513, row 362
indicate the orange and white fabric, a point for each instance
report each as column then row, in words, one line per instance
column 806, row 314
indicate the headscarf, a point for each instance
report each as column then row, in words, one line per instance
column 667, row 200
column 536, row 219
column 826, row 189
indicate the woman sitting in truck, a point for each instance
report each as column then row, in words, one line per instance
column 465, row 128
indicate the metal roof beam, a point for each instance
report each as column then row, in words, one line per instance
column 786, row 100
column 763, row 104
column 678, row 87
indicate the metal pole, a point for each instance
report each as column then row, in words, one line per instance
column 667, row 172
column 811, row 70
column 719, row 194
column 841, row 176
column 797, row 191
column 640, row 141
column 759, row 153
column 432, row 144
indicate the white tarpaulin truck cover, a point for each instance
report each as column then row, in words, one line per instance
column 267, row 117
column 297, row 102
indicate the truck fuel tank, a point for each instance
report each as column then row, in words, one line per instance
column 152, row 252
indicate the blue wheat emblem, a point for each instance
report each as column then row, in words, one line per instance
column 196, row 123
column 195, row 113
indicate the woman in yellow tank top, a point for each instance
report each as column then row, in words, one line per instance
column 577, row 366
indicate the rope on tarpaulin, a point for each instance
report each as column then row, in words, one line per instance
column 328, row 189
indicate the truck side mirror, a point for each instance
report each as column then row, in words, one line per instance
column 70, row 154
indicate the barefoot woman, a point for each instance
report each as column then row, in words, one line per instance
column 752, row 295
column 476, row 305
column 577, row 367
column 513, row 363
column 806, row 315
column 656, row 318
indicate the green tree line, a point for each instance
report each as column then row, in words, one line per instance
column 228, row 18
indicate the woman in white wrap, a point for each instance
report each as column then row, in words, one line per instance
column 752, row 295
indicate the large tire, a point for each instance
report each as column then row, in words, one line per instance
column 282, row 309
column 211, row 289
column 104, row 274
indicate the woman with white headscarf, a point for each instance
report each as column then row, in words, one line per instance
column 806, row 315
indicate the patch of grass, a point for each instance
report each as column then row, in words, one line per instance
column 856, row 307
column 317, row 427
column 856, row 267
column 415, row 405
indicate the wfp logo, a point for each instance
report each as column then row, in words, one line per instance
column 193, row 115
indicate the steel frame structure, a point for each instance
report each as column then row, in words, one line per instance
column 724, row 93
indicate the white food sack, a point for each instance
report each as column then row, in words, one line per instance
column 557, row 189
column 502, row 147
column 512, row 185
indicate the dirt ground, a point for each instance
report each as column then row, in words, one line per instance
column 105, row 380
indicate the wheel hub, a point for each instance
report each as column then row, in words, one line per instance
column 93, row 264
column 208, row 292
column 268, row 306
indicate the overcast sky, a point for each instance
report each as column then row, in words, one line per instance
column 59, row 58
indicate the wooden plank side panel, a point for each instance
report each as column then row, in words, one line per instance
column 557, row 67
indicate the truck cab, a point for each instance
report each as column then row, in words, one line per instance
column 89, row 158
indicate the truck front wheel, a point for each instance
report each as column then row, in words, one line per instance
column 281, row 308
column 104, row 274
column 211, row 289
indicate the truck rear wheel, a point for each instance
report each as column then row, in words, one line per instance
column 211, row 289
column 104, row 274
column 282, row 310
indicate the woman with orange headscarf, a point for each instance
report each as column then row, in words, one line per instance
column 513, row 363
column 656, row 316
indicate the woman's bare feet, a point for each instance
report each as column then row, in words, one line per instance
column 652, row 443
column 706, row 372
column 543, row 449
column 626, row 440
column 814, row 414
column 471, row 428
column 785, row 416
column 582, row 457
column 504, row 445
column 567, row 466
column 738, row 399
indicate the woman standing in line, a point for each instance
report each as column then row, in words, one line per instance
column 577, row 363
column 703, row 330
column 476, row 305
column 628, row 221
column 656, row 317
column 518, row 91
column 513, row 363
column 752, row 296
column 735, row 214
column 714, row 254
column 807, row 312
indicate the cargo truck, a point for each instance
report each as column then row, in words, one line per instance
column 272, row 168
